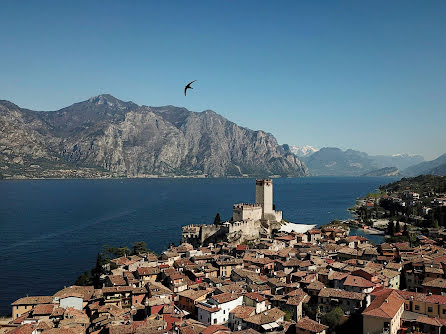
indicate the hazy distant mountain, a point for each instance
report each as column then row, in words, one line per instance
column 386, row 171
column 400, row 161
column 436, row 167
column 332, row 161
column 303, row 151
column 104, row 136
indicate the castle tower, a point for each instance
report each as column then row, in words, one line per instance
column 264, row 194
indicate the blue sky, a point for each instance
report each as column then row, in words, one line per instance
column 367, row 75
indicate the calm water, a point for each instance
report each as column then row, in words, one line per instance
column 51, row 230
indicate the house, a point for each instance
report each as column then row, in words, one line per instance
column 86, row 293
column 226, row 264
column 436, row 286
column 430, row 325
column 238, row 315
column 314, row 235
column 308, row 326
column 294, row 303
column 115, row 280
column 267, row 321
column 392, row 277
column 118, row 295
column 350, row 302
column 176, row 281
column 147, row 274
column 188, row 299
column 426, row 304
column 255, row 300
column 26, row 304
column 384, row 313
column 216, row 309
column 358, row 284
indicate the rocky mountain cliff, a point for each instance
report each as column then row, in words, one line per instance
column 104, row 137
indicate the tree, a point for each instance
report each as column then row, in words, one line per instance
column 435, row 224
column 99, row 270
column 405, row 230
column 139, row 247
column 287, row 316
column 217, row 219
column 333, row 318
column 83, row 279
column 391, row 228
column 397, row 227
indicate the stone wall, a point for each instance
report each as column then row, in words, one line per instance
column 246, row 212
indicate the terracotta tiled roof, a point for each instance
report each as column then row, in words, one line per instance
column 435, row 283
column 358, row 281
column 385, row 305
column 43, row 309
column 143, row 271
column 311, row 325
column 266, row 317
column 85, row 291
column 193, row 294
column 34, row 300
column 243, row 312
column 338, row 293
column 216, row 329
column 23, row 329
column 255, row 296
column 224, row 297
column 437, row 322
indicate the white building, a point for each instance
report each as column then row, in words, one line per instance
column 215, row 311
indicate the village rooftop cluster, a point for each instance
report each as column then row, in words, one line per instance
column 319, row 281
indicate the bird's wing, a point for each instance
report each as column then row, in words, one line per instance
column 191, row 82
column 185, row 89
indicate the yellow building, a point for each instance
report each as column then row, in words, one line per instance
column 384, row 313
column 26, row 304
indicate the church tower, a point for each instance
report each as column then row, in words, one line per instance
column 264, row 195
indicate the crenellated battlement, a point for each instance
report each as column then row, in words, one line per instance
column 246, row 205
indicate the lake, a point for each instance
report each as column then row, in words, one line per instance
column 52, row 230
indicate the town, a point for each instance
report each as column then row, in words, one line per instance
column 250, row 275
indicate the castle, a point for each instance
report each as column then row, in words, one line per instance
column 249, row 221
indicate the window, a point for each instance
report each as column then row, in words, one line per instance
column 417, row 307
column 444, row 311
column 429, row 309
column 215, row 321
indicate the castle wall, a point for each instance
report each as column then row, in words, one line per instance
column 246, row 211
column 248, row 228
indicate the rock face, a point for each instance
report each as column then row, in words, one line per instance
column 386, row 171
column 109, row 137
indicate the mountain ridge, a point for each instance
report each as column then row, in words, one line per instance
column 116, row 138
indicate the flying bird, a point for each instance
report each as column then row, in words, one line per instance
column 188, row 87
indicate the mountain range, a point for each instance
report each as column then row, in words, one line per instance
column 434, row 167
column 332, row 161
column 106, row 137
